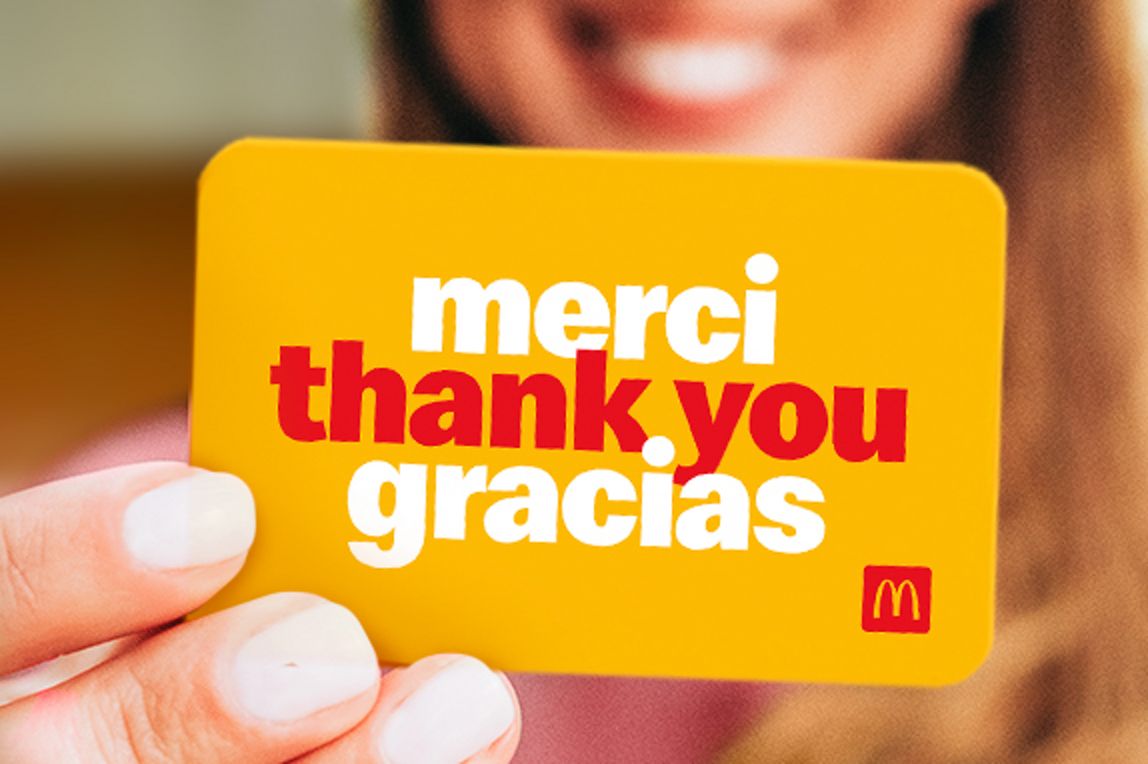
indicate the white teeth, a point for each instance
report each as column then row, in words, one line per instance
column 695, row 71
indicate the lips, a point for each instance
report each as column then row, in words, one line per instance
column 673, row 73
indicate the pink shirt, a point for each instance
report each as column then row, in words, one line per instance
column 565, row 718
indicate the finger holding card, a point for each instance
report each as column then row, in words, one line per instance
column 445, row 708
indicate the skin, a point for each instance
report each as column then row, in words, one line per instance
column 855, row 77
column 157, row 693
column 845, row 78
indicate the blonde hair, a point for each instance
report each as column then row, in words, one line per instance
column 1048, row 104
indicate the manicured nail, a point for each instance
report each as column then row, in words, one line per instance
column 308, row 661
column 455, row 714
column 203, row 519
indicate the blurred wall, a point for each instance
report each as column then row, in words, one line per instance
column 155, row 78
column 108, row 110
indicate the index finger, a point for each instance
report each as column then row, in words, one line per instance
column 91, row 558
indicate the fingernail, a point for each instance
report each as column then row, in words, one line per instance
column 308, row 661
column 455, row 714
column 203, row 519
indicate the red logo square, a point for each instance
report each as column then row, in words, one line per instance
column 897, row 599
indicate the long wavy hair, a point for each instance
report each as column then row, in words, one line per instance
column 1048, row 104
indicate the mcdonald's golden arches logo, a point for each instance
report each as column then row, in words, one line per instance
column 897, row 599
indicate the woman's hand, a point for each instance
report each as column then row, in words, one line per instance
column 95, row 568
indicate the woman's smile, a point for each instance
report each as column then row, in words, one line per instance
column 672, row 72
column 780, row 77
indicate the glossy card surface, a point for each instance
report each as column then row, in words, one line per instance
column 610, row 413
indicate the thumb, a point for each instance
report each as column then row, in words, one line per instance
column 263, row 682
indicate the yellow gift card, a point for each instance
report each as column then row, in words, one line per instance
column 611, row 413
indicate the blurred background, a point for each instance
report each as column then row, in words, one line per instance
column 107, row 112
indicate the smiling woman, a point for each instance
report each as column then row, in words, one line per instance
column 1038, row 92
